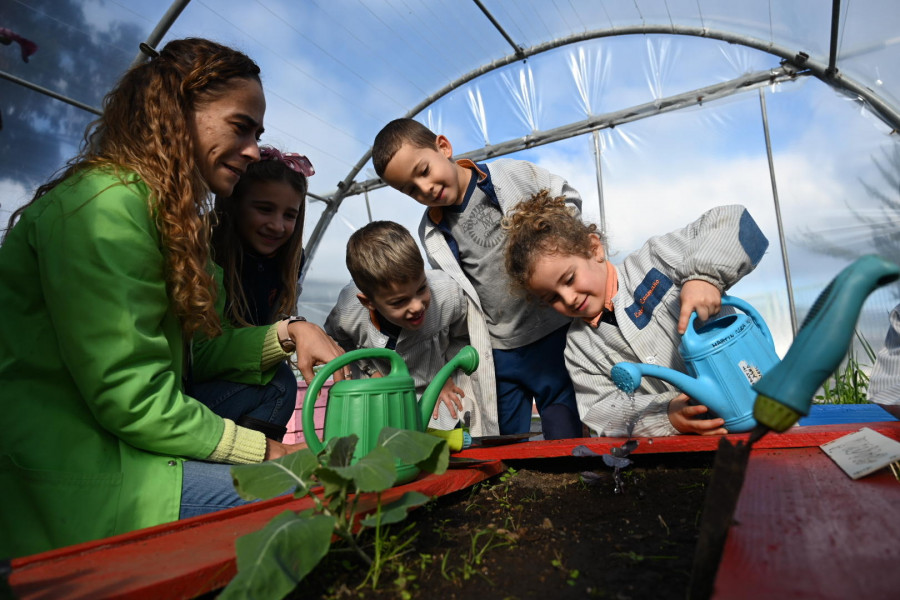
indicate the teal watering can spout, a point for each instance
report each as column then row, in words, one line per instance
column 627, row 377
column 785, row 393
column 466, row 359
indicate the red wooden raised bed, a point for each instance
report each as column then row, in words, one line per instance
column 186, row 558
column 806, row 529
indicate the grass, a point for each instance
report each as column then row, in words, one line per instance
column 393, row 543
column 849, row 384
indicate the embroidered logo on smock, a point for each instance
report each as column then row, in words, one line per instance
column 647, row 296
column 483, row 226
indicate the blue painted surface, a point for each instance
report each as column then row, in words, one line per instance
column 829, row 414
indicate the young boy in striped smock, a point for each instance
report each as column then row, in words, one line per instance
column 393, row 302
column 462, row 235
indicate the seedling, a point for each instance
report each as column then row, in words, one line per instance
column 480, row 543
column 272, row 561
column 388, row 548
column 441, row 528
column 571, row 574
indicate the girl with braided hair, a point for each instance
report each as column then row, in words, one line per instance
column 106, row 283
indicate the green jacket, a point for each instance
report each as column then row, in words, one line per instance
column 91, row 360
column 237, row 354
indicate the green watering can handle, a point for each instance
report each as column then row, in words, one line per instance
column 398, row 367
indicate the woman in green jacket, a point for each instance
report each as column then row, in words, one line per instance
column 104, row 282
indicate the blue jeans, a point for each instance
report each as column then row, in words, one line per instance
column 272, row 403
column 537, row 372
column 207, row 487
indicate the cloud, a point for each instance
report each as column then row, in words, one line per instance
column 14, row 195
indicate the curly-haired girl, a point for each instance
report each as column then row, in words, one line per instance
column 634, row 312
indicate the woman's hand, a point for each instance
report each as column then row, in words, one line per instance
column 277, row 449
column 451, row 396
column 688, row 418
column 315, row 347
column 700, row 296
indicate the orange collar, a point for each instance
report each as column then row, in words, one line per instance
column 612, row 288
column 468, row 164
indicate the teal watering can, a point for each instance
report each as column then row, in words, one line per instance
column 365, row 406
column 724, row 357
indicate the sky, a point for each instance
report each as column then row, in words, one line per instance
column 334, row 72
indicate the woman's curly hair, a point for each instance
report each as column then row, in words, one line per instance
column 544, row 225
column 145, row 128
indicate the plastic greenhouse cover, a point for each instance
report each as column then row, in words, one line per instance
column 335, row 72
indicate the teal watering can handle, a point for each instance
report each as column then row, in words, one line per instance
column 752, row 312
column 745, row 307
column 398, row 367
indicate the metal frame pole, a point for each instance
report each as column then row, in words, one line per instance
column 597, row 167
column 803, row 65
column 51, row 93
column 784, row 253
column 368, row 206
column 165, row 23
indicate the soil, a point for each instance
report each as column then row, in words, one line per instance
column 550, row 528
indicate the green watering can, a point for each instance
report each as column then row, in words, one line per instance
column 365, row 406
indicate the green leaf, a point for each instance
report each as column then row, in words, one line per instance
column 397, row 511
column 332, row 480
column 374, row 472
column 272, row 561
column 275, row 477
column 340, row 450
column 428, row 452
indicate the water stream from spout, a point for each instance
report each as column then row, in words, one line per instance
column 617, row 458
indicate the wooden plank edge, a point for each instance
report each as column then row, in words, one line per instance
column 796, row 437
column 185, row 558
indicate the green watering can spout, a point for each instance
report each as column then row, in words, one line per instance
column 467, row 360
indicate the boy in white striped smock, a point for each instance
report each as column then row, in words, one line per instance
column 394, row 303
column 462, row 236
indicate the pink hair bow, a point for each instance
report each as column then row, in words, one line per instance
column 295, row 162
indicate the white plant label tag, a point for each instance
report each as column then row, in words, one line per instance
column 862, row 452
